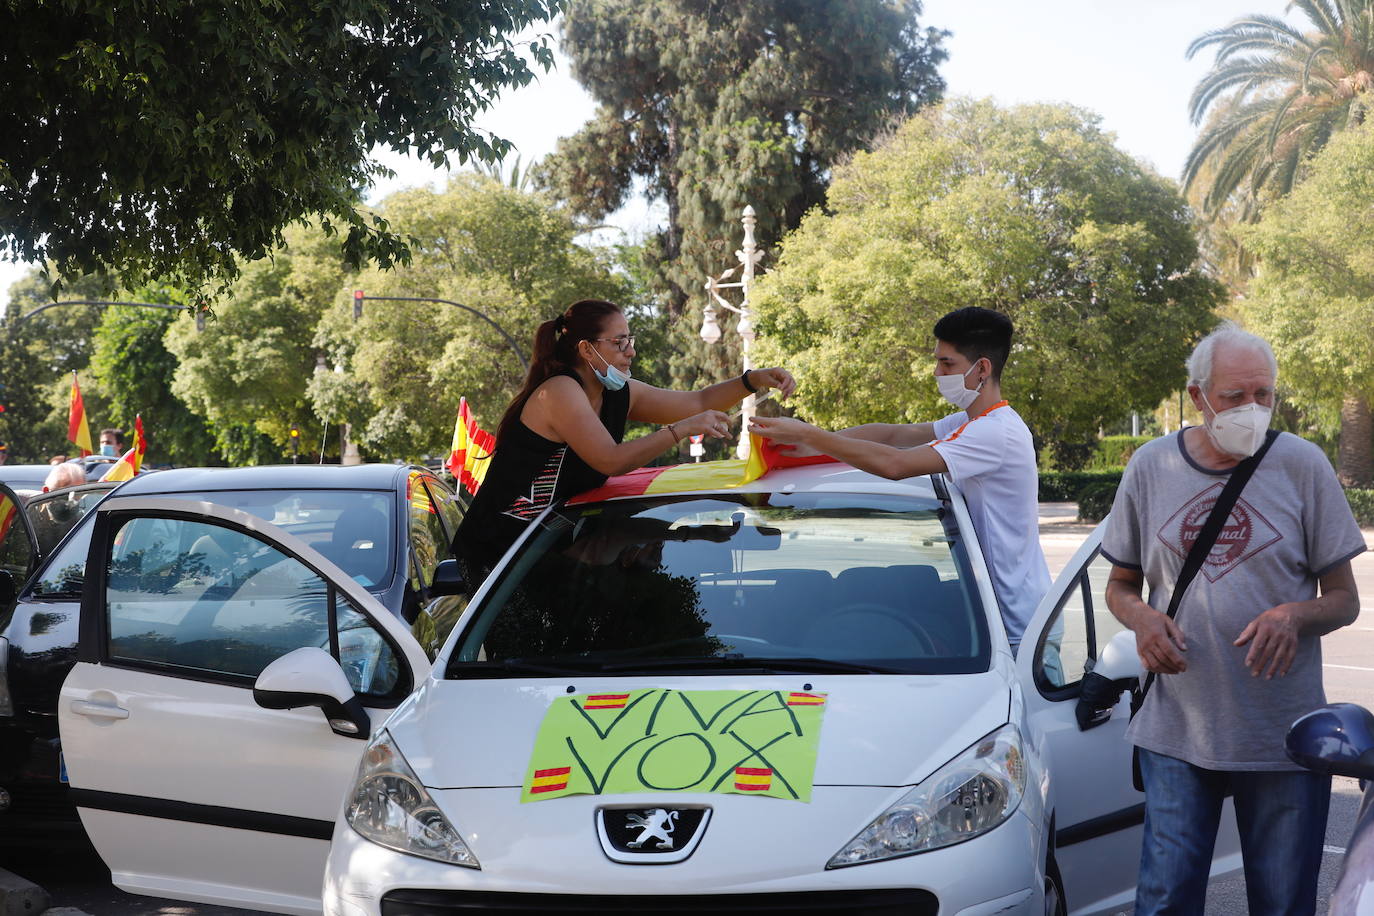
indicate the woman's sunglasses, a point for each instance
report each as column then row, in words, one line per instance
column 622, row 343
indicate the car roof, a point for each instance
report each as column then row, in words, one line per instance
column 830, row 477
column 30, row 476
column 269, row 477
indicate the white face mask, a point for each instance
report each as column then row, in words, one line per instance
column 1239, row 431
column 952, row 388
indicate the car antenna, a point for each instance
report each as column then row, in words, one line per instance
column 324, row 437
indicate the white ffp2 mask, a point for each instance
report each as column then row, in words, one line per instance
column 1239, row 431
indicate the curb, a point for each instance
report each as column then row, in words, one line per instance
column 21, row 897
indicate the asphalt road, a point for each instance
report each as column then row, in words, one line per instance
column 77, row 878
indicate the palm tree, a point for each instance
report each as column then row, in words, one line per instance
column 1274, row 96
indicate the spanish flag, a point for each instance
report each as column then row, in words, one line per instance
column 470, row 455
column 551, row 780
column 78, row 431
column 8, row 513
column 805, row 699
column 606, row 701
column 753, row 779
column 129, row 465
column 764, row 456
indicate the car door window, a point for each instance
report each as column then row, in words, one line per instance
column 219, row 603
column 450, row 509
column 1080, row 626
column 16, row 551
column 428, row 542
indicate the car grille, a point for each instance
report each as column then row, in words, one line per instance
column 851, row 903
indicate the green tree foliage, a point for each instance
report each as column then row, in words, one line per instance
column 171, row 139
column 506, row 253
column 709, row 105
column 37, row 356
column 1032, row 211
column 246, row 373
column 1275, row 95
column 136, row 373
column 1313, row 297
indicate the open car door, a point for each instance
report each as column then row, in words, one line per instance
column 1098, row 814
column 18, row 548
column 228, row 677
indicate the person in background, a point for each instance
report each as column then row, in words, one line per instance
column 112, row 442
column 985, row 447
column 67, row 474
column 57, row 459
column 564, row 432
column 1243, row 658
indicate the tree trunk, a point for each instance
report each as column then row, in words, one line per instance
column 1355, row 456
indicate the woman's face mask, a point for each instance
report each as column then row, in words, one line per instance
column 612, row 379
column 952, row 388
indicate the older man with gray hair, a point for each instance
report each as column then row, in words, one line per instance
column 1242, row 658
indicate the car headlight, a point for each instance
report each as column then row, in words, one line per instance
column 391, row 808
column 965, row 798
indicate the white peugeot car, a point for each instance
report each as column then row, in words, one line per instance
column 791, row 696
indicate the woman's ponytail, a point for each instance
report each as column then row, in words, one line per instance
column 555, row 351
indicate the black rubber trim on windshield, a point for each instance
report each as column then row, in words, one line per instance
column 210, row 815
column 1096, row 827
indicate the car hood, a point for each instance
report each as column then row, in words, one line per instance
column 877, row 730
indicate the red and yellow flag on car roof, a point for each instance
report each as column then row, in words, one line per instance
column 132, row 462
column 470, row 454
column 78, row 430
column 764, row 456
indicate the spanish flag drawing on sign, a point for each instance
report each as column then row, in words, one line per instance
column 132, row 462
column 805, row 699
column 606, row 701
column 470, row 455
column 764, row 456
column 550, row 780
column 753, row 779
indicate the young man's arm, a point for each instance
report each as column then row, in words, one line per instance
column 898, row 435
column 871, row 455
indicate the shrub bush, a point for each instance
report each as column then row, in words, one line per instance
column 1095, row 501
column 1362, row 504
column 1065, row 486
column 1113, row 452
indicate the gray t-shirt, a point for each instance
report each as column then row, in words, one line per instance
column 1290, row 526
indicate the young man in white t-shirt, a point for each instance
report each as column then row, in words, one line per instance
column 985, row 448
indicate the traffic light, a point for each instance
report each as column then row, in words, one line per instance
column 295, row 443
column 357, row 304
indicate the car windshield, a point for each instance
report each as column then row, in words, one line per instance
column 351, row 527
column 764, row 582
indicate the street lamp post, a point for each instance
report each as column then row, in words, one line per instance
column 359, row 299
column 103, row 303
column 748, row 255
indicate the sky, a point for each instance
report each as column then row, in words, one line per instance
column 1123, row 59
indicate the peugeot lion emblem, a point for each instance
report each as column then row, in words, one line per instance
column 650, row 836
column 658, row 825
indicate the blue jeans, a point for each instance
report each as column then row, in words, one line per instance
column 1282, row 822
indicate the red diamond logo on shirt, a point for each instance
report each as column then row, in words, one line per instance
column 1245, row 533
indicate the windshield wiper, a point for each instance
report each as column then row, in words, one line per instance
column 737, row 662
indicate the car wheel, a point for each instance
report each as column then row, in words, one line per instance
column 1054, row 890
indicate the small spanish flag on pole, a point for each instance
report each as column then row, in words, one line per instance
column 78, row 431
column 470, row 454
column 132, row 462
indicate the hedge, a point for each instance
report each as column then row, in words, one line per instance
column 1362, row 504
column 1065, row 486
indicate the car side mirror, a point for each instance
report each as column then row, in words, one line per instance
column 1117, row 668
column 1336, row 740
column 448, row 579
column 8, row 589
column 311, row 677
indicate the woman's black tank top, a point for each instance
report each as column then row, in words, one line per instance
column 527, row 474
